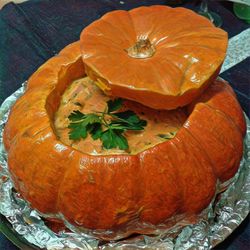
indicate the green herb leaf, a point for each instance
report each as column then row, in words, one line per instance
column 129, row 116
column 114, row 105
column 128, row 120
column 77, row 131
column 168, row 136
column 81, row 124
column 96, row 131
column 92, row 118
column 112, row 138
column 78, row 104
column 76, row 115
column 125, row 126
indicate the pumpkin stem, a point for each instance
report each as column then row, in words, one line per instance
column 141, row 49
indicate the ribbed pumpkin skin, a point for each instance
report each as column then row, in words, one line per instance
column 189, row 52
column 176, row 177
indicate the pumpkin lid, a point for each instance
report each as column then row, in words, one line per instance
column 159, row 56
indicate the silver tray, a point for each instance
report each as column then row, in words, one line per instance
column 215, row 223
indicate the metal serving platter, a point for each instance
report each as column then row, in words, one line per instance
column 26, row 228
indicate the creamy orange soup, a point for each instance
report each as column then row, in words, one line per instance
column 85, row 96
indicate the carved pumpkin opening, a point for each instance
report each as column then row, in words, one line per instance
column 83, row 95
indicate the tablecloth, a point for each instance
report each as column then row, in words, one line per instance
column 34, row 31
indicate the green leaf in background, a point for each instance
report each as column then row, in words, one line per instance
column 242, row 11
column 245, row 2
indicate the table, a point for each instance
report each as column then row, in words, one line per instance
column 34, row 31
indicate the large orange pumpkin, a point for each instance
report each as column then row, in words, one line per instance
column 176, row 177
column 159, row 56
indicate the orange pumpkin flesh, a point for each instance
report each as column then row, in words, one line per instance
column 175, row 177
column 180, row 54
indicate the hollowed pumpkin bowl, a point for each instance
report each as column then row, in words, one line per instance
column 130, row 193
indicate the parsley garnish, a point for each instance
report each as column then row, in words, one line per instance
column 108, row 126
column 168, row 136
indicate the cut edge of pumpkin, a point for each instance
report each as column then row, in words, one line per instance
column 112, row 88
column 152, row 99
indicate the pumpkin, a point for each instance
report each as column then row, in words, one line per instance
column 130, row 193
column 159, row 56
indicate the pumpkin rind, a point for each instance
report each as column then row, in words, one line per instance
column 176, row 177
column 189, row 51
column 206, row 119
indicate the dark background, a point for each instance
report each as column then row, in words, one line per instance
column 34, row 31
